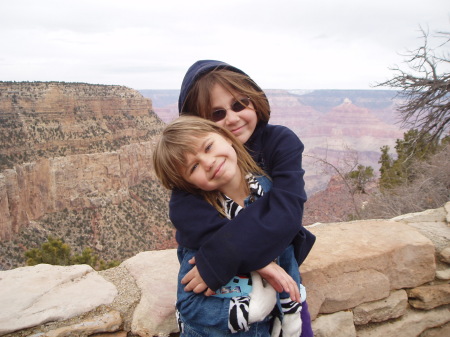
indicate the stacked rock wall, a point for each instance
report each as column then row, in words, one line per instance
column 363, row 278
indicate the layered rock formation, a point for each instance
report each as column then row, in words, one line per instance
column 49, row 185
column 335, row 133
column 70, row 156
column 47, row 128
column 371, row 278
column 351, row 125
column 47, row 119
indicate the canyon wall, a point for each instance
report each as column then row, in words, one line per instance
column 70, row 146
column 49, row 119
column 47, row 185
column 75, row 160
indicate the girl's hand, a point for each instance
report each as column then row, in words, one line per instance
column 194, row 282
column 280, row 280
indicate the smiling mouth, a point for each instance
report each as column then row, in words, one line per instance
column 237, row 129
column 218, row 169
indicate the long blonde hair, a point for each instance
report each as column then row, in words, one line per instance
column 198, row 100
column 175, row 142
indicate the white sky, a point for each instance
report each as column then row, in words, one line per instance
column 146, row 44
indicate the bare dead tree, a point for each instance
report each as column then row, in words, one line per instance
column 345, row 165
column 424, row 91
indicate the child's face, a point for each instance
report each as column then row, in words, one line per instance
column 213, row 166
column 242, row 123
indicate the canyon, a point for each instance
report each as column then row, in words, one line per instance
column 75, row 159
column 75, row 163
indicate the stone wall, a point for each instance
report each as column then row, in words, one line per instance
column 363, row 278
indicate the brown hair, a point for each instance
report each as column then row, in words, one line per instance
column 175, row 142
column 198, row 100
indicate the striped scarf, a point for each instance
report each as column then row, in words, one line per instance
column 232, row 208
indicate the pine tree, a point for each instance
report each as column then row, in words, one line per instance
column 361, row 177
column 86, row 257
column 54, row 252
column 395, row 172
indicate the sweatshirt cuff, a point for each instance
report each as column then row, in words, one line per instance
column 207, row 272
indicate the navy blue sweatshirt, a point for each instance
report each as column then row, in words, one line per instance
column 264, row 229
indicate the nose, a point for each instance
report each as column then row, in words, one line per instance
column 231, row 117
column 207, row 161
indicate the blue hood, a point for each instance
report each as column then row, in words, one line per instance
column 197, row 70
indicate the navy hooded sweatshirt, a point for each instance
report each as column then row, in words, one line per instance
column 263, row 230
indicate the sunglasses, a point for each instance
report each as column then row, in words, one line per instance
column 237, row 106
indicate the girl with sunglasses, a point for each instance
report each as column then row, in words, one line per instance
column 200, row 157
column 218, row 91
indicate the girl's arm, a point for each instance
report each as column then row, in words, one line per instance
column 276, row 276
column 235, row 313
column 261, row 232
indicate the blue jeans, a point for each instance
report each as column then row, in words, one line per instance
column 259, row 329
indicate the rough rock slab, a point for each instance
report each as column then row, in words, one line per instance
column 433, row 223
column 347, row 256
column 339, row 324
column 438, row 232
column 379, row 311
column 413, row 323
column 156, row 274
column 444, row 255
column 429, row 297
column 430, row 215
column 443, row 274
column 442, row 331
column 108, row 322
column 30, row 296
column 447, row 210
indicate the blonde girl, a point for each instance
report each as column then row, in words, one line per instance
column 202, row 158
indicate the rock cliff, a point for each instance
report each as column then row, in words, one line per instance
column 75, row 160
column 48, row 185
column 50, row 119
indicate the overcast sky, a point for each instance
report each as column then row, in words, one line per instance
column 146, row 44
